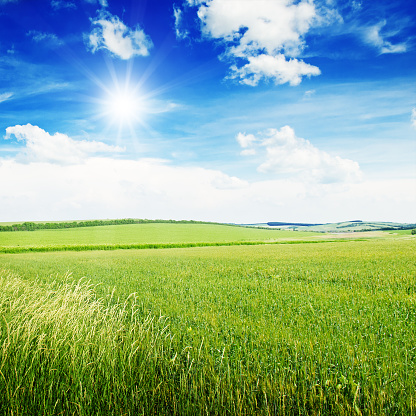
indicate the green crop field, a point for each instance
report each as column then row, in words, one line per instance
column 281, row 329
column 141, row 234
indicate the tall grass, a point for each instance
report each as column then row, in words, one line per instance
column 64, row 351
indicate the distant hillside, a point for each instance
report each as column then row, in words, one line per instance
column 340, row 227
column 295, row 224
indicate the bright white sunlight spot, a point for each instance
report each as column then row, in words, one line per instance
column 123, row 107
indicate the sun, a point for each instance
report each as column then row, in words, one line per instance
column 123, row 107
column 122, row 104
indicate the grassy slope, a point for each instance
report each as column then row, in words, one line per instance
column 399, row 232
column 349, row 226
column 287, row 329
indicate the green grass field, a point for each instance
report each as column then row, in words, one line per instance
column 305, row 329
column 144, row 234
column 399, row 232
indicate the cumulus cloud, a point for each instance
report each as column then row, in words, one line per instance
column 5, row 96
column 284, row 153
column 277, row 68
column 262, row 37
column 112, row 34
column 40, row 146
column 265, row 24
column 373, row 36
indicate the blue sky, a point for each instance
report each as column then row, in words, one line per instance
column 218, row 110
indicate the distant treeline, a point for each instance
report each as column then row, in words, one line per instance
column 402, row 227
column 33, row 226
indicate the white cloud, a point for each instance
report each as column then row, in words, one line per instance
column 269, row 25
column 94, row 186
column 246, row 140
column 309, row 93
column 102, row 3
column 49, row 38
column 5, row 96
column 40, row 146
column 276, row 68
column 180, row 32
column 110, row 188
column 373, row 37
column 112, row 34
column 195, row 2
column 262, row 32
column 62, row 4
column 286, row 154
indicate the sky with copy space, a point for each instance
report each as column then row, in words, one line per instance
column 220, row 110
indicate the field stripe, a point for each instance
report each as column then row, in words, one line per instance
column 150, row 246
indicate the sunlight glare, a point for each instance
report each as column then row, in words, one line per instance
column 124, row 107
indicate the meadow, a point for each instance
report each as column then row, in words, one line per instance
column 139, row 236
column 280, row 329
